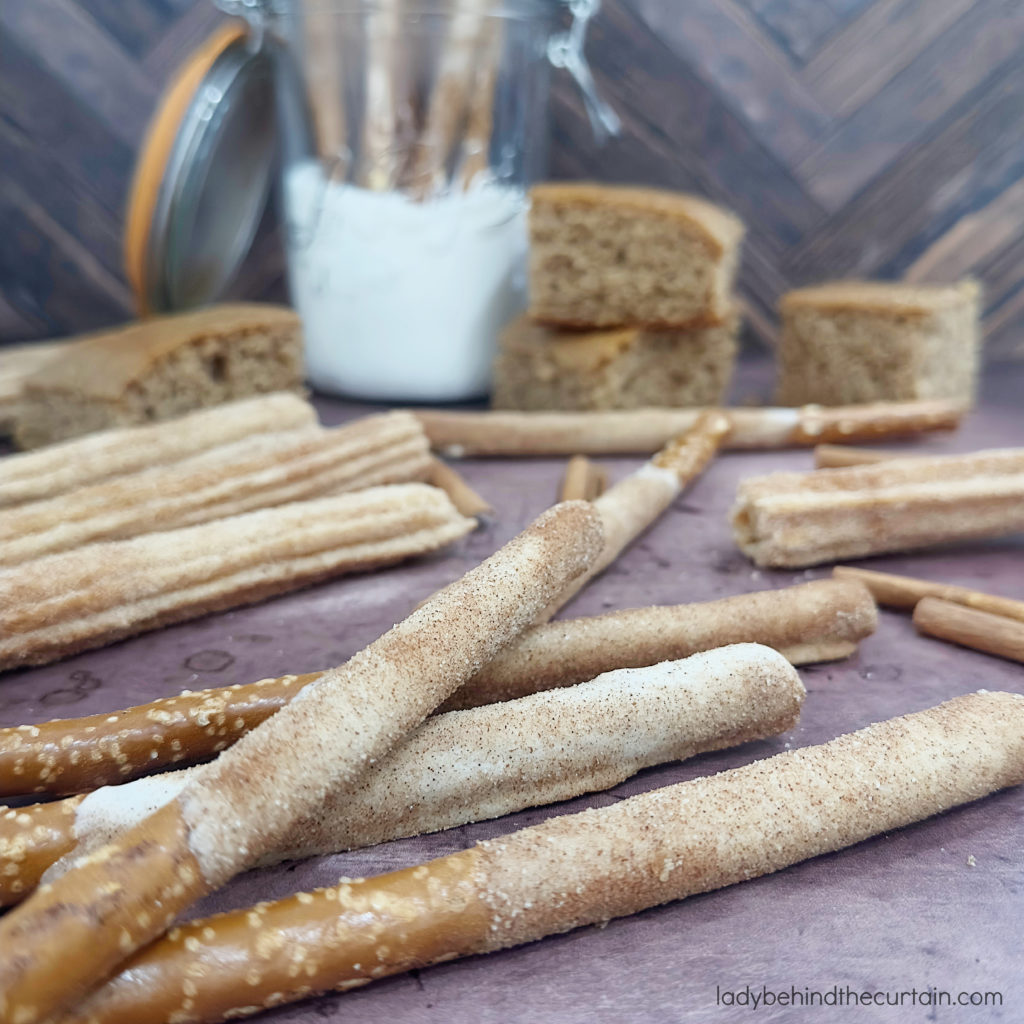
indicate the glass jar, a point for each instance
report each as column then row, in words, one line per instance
column 405, row 181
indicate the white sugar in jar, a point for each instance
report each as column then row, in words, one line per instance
column 403, row 300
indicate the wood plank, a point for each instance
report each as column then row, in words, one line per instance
column 188, row 33
column 924, row 192
column 68, row 196
column 135, row 26
column 860, row 61
column 49, row 117
column 798, row 26
column 69, row 293
column 77, row 53
column 973, row 239
column 927, row 91
column 724, row 46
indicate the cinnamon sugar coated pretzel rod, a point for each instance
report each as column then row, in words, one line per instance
column 576, row 870
column 905, row 592
column 643, row 431
column 72, row 933
column 818, row 621
column 470, row 765
column 790, row 520
column 259, row 472
column 57, row 468
column 76, row 600
column 635, row 502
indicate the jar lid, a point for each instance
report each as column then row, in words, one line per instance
column 203, row 175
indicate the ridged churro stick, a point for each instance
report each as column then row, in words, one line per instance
column 818, row 621
column 577, row 870
column 57, row 468
column 835, row 456
column 797, row 519
column 643, row 431
column 466, row 766
column 76, row 600
column 635, row 502
column 70, row 935
column 968, row 627
column 259, row 472
column 583, row 480
column 905, row 592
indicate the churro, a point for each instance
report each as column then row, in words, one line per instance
column 259, row 472
column 61, row 467
column 791, row 520
column 75, row 600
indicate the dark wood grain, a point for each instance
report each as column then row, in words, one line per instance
column 855, row 137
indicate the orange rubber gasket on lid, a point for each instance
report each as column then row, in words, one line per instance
column 155, row 152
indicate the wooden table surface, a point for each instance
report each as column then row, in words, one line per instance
column 939, row 904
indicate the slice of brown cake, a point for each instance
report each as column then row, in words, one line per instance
column 872, row 341
column 607, row 256
column 160, row 368
column 540, row 367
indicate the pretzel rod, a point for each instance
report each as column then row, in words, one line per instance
column 905, row 592
column 806, row 623
column 60, row 467
column 380, row 161
column 74, row 932
column 797, row 519
column 643, row 431
column 451, row 96
column 637, row 501
column 583, row 480
column 835, row 456
column 476, row 142
column 470, row 765
column 816, row 621
column 323, row 73
column 262, row 472
column 464, row 498
column 77, row 600
column 968, row 627
column 576, row 870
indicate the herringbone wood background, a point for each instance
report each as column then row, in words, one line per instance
column 855, row 137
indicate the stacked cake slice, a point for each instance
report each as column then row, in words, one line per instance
column 630, row 302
